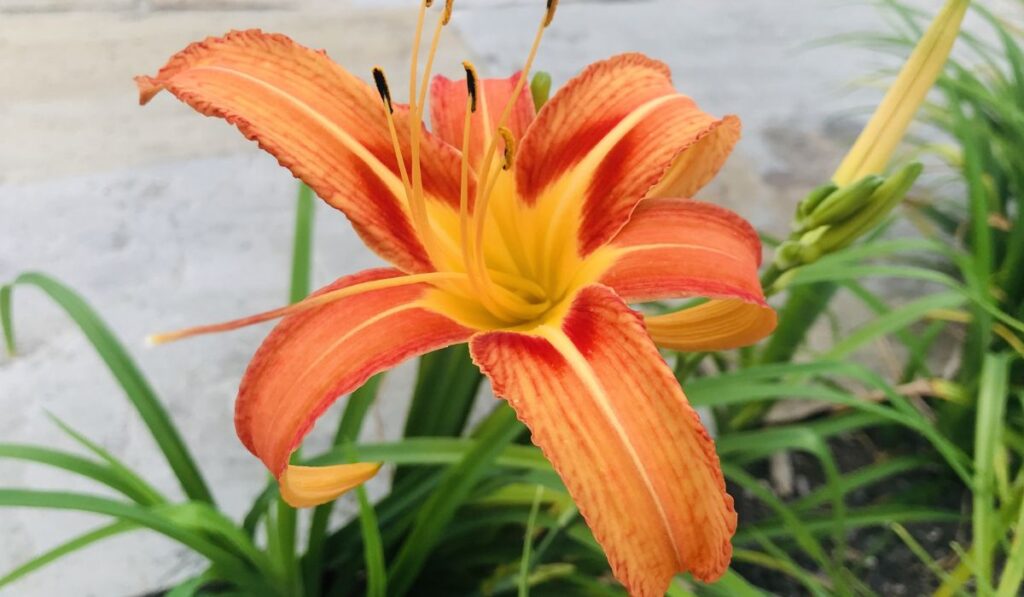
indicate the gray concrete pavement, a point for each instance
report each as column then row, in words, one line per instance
column 161, row 218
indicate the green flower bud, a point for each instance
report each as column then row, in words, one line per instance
column 883, row 200
column 813, row 198
column 841, row 204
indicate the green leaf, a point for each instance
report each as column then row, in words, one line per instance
column 302, row 246
column 434, row 451
column 446, row 387
column 992, row 398
column 373, row 547
column 52, row 555
column 78, row 465
column 893, row 321
column 126, row 372
column 455, row 486
column 231, row 565
column 356, row 408
column 526, row 561
column 731, row 585
column 149, row 495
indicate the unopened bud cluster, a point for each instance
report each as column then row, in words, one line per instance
column 832, row 217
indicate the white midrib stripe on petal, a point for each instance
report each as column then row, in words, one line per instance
column 383, row 172
column 561, row 342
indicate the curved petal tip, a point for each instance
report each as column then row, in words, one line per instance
column 308, row 486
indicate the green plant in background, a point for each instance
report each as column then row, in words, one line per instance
column 474, row 509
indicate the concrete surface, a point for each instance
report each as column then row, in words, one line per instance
column 162, row 219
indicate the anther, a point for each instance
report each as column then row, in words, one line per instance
column 471, row 80
column 446, row 16
column 552, row 5
column 382, row 88
column 428, row 3
column 510, row 148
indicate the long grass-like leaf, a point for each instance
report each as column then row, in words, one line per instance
column 373, row 547
column 992, row 398
column 230, row 564
column 69, row 547
column 78, row 465
column 356, row 409
column 441, row 506
column 126, row 372
column 148, row 494
column 893, row 321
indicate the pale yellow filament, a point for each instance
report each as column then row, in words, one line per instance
column 485, row 185
column 309, row 303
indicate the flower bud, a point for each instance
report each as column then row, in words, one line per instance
column 883, row 133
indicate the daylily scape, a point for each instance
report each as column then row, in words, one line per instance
column 524, row 233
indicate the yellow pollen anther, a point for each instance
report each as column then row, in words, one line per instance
column 550, row 16
column 471, row 79
column 510, row 148
column 446, row 16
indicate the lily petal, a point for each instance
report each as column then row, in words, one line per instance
column 675, row 248
column 313, row 357
column 609, row 415
column 698, row 165
column 322, row 123
column 448, row 112
column 607, row 138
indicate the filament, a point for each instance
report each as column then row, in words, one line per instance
column 305, row 305
column 486, row 185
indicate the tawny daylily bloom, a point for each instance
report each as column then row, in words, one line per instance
column 525, row 235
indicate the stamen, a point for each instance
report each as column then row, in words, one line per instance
column 385, row 95
column 305, row 305
column 417, row 204
column 485, row 185
column 510, row 148
column 550, row 16
column 382, row 88
column 446, row 16
column 471, row 80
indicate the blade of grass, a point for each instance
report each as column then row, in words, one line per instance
column 230, row 564
column 78, row 465
column 731, row 585
column 351, row 424
column 1013, row 573
column 373, row 547
column 500, row 429
column 149, row 494
column 992, row 397
column 525, row 561
column 302, row 246
column 893, row 321
column 48, row 557
column 283, row 548
column 126, row 372
column 918, row 550
column 434, row 451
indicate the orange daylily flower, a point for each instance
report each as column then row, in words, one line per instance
column 524, row 234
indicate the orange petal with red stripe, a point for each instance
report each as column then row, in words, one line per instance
column 321, row 122
column 609, row 415
column 448, row 112
column 674, row 248
column 607, row 138
column 698, row 165
column 313, row 357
